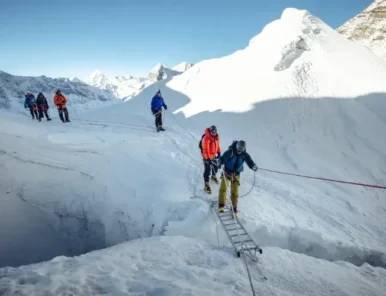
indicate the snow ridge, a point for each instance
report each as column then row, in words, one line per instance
column 81, row 95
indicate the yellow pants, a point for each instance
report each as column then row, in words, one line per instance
column 227, row 181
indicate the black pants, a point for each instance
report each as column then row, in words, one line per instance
column 33, row 111
column 158, row 117
column 43, row 110
column 210, row 169
column 61, row 111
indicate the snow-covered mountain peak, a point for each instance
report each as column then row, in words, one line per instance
column 159, row 72
column 182, row 67
column 125, row 87
column 75, row 79
column 368, row 28
column 98, row 79
column 299, row 52
column 297, row 26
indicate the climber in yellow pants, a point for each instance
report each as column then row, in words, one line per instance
column 234, row 183
column 233, row 160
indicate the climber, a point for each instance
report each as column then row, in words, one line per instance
column 233, row 160
column 156, row 108
column 30, row 102
column 60, row 101
column 42, row 106
column 210, row 151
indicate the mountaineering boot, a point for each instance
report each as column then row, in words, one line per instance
column 214, row 179
column 161, row 128
column 207, row 188
column 235, row 212
column 49, row 119
column 221, row 208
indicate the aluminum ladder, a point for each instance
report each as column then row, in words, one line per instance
column 237, row 234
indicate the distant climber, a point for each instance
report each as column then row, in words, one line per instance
column 60, row 101
column 156, row 108
column 42, row 106
column 30, row 102
column 233, row 160
column 210, row 151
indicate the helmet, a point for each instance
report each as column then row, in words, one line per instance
column 58, row 91
column 241, row 146
column 213, row 129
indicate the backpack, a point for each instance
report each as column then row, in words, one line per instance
column 200, row 143
column 233, row 145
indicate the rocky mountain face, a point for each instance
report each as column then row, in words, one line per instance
column 369, row 28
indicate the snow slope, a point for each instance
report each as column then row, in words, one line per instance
column 368, row 28
column 81, row 97
column 183, row 266
column 109, row 177
column 182, row 67
column 320, row 116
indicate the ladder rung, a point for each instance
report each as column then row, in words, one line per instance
column 233, row 235
column 232, row 229
column 227, row 219
column 246, row 241
column 229, row 224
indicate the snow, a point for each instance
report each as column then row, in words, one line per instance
column 182, row 67
column 81, row 97
column 303, row 103
column 297, row 62
column 127, row 87
column 367, row 28
column 183, row 266
column 159, row 72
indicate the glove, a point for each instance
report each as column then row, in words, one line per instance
column 255, row 168
column 219, row 155
column 166, row 107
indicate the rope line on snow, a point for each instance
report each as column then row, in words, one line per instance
column 194, row 138
column 148, row 127
column 325, row 179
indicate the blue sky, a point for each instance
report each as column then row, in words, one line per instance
column 74, row 37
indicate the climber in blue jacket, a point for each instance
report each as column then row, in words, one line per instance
column 30, row 102
column 156, row 108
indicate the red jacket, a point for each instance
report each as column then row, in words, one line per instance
column 60, row 101
column 210, row 145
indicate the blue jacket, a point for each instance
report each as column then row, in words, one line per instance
column 29, row 101
column 158, row 102
column 233, row 162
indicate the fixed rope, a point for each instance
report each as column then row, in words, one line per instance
column 147, row 128
column 325, row 179
column 184, row 128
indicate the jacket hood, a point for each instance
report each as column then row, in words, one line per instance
column 208, row 134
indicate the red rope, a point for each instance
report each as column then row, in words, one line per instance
column 325, row 179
